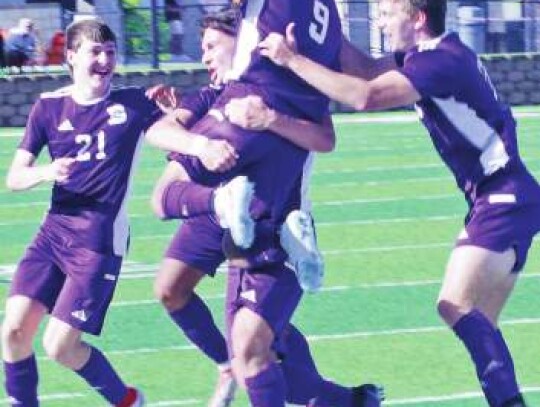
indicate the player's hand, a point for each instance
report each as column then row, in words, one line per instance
column 217, row 155
column 166, row 97
column 250, row 112
column 59, row 170
column 280, row 49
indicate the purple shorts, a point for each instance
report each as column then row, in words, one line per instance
column 76, row 284
column 198, row 244
column 273, row 293
column 496, row 222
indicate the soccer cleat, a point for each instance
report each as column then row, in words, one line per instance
column 133, row 398
column 367, row 395
column 297, row 237
column 225, row 390
column 231, row 203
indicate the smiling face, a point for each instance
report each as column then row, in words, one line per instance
column 218, row 50
column 93, row 65
column 398, row 23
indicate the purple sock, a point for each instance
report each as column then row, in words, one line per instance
column 196, row 320
column 99, row 374
column 184, row 199
column 304, row 383
column 484, row 344
column 267, row 388
column 22, row 381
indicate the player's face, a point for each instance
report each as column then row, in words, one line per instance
column 397, row 25
column 218, row 51
column 93, row 65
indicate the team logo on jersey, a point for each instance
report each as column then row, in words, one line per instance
column 117, row 114
column 65, row 126
column 80, row 314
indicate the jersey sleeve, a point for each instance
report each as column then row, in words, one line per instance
column 199, row 103
column 149, row 110
column 433, row 73
column 35, row 135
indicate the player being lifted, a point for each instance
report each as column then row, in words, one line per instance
column 303, row 381
column 262, row 296
column 475, row 135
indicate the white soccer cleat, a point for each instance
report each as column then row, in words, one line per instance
column 231, row 203
column 297, row 237
column 225, row 390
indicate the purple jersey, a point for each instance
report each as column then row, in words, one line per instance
column 104, row 138
column 200, row 102
column 318, row 35
column 474, row 133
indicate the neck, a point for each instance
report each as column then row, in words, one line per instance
column 87, row 95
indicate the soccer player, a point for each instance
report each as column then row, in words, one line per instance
column 93, row 133
column 262, row 296
column 475, row 135
column 219, row 31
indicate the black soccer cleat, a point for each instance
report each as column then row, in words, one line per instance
column 368, row 395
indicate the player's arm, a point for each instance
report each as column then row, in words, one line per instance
column 355, row 62
column 252, row 113
column 23, row 174
column 390, row 89
column 169, row 134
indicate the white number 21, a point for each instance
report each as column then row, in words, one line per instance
column 86, row 140
column 319, row 28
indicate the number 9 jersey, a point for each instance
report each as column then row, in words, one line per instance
column 318, row 36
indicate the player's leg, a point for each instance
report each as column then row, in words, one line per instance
column 195, row 251
column 476, row 286
column 306, row 386
column 480, row 276
column 174, row 288
column 259, row 307
column 33, row 291
column 19, row 327
column 175, row 197
column 81, row 306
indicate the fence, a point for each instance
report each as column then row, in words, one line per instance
column 504, row 26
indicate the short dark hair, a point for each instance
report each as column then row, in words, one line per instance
column 226, row 20
column 92, row 29
column 435, row 13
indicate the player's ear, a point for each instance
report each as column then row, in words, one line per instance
column 420, row 19
column 70, row 55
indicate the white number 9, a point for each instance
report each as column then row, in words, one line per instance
column 319, row 28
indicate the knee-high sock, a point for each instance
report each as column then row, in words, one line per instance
column 22, row 381
column 100, row 375
column 490, row 356
column 196, row 320
column 184, row 199
column 304, row 383
column 267, row 388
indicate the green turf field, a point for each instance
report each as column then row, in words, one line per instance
column 387, row 213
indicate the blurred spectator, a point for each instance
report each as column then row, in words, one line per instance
column 173, row 16
column 21, row 44
column 55, row 52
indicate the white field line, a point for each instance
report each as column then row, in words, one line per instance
column 366, row 201
column 448, row 397
column 391, row 402
column 406, row 118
